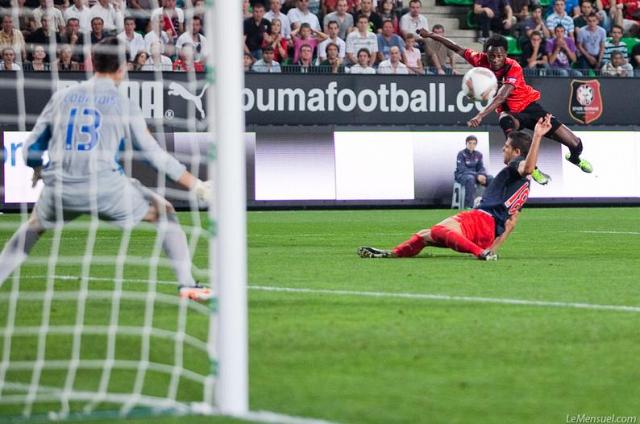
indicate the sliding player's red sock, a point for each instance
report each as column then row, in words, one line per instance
column 454, row 240
column 409, row 248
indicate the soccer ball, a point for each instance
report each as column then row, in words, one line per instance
column 480, row 84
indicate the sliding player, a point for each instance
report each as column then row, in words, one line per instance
column 82, row 128
column 516, row 102
column 482, row 231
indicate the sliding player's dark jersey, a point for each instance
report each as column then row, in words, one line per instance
column 506, row 194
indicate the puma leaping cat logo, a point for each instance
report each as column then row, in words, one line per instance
column 176, row 89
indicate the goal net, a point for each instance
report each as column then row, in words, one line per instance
column 91, row 324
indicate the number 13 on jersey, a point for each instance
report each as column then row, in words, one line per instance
column 83, row 135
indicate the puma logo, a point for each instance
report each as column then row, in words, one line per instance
column 176, row 89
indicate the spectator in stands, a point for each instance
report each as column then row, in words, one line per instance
column 364, row 63
column 561, row 51
column 157, row 61
column 275, row 40
column 38, row 60
column 615, row 45
column 26, row 21
column 393, row 65
column 522, row 8
column 42, row 36
column 157, row 35
column 560, row 17
column 194, row 37
column 344, row 19
column 11, row 37
column 362, row 38
column 80, row 12
column 413, row 56
column 586, row 9
column 366, row 9
column 387, row 39
column 141, row 11
column 305, row 36
column 9, row 60
column 186, row 62
column 246, row 9
column 97, row 30
column 591, row 44
column 275, row 13
column 493, row 15
column 625, row 13
column 46, row 9
column 304, row 65
column 534, row 54
column 111, row 14
column 332, row 62
column 255, row 28
column 138, row 61
column 247, row 62
column 330, row 6
column 131, row 39
column 617, row 67
column 535, row 23
column 266, row 64
column 470, row 170
column 439, row 58
column 387, row 12
column 172, row 18
column 75, row 38
column 635, row 59
column 301, row 14
column 65, row 60
column 333, row 38
column 413, row 20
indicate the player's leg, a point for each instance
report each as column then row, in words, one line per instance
column 17, row 249
column 568, row 138
column 449, row 233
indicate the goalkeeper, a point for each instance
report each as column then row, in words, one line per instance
column 83, row 128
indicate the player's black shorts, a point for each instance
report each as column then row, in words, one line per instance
column 528, row 118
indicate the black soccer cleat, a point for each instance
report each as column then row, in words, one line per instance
column 488, row 255
column 372, row 252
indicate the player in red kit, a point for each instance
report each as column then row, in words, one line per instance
column 516, row 102
column 483, row 230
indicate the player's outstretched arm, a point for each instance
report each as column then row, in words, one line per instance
column 509, row 226
column 529, row 164
column 444, row 40
column 500, row 97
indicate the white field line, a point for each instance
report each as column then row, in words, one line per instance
column 632, row 233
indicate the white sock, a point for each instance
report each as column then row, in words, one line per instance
column 177, row 250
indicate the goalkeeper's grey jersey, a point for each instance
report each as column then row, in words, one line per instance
column 83, row 128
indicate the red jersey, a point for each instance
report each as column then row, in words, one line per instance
column 511, row 73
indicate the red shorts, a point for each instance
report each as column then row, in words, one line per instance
column 478, row 226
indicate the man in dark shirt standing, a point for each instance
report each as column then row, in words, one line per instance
column 482, row 231
column 470, row 170
column 255, row 28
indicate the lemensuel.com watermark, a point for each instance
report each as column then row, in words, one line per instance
column 598, row 419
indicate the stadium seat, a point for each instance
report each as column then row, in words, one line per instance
column 471, row 22
column 630, row 42
column 545, row 3
column 458, row 2
column 513, row 46
column 457, row 197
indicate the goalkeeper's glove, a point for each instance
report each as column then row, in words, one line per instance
column 204, row 191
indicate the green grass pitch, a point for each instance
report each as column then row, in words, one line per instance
column 327, row 350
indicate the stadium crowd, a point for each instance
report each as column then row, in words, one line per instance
column 323, row 36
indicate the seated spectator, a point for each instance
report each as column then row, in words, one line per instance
column 11, row 37
column 97, row 30
column 387, row 39
column 65, row 60
column 413, row 20
column 255, row 29
column 387, row 12
column 80, row 12
column 561, row 51
column 75, row 38
column 470, row 170
column 393, row 65
column 9, row 60
column 138, row 62
column 535, row 22
column 591, row 44
column 131, row 39
column 413, row 56
column 157, row 61
column 366, row 9
column 617, row 67
column 194, row 37
column 534, row 55
column 172, row 18
column 305, row 36
column 344, row 19
column 266, row 64
column 186, row 62
column 334, row 30
column 522, row 8
column 363, row 66
column 330, row 6
column 304, row 65
column 301, row 14
column 493, row 15
column 615, row 45
column 26, row 22
column 362, row 38
column 38, row 60
column 625, row 13
column 112, row 17
column 332, row 64
column 141, row 11
column 247, row 62
column 275, row 13
column 157, row 35
column 560, row 17
column 439, row 58
column 46, row 8
column 586, row 9
column 42, row 36
column 276, row 41
column 246, row 9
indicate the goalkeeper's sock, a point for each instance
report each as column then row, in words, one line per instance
column 16, row 250
column 176, row 248
column 454, row 240
column 410, row 248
